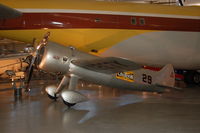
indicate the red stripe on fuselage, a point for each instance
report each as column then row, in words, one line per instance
column 102, row 21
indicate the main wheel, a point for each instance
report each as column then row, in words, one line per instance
column 196, row 78
column 69, row 104
column 192, row 77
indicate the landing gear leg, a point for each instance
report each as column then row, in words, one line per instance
column 70, row 97
column 54, row 91
column 72, row 86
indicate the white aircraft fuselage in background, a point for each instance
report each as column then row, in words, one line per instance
column 151, row 35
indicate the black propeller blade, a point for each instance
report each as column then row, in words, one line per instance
column 35, row 56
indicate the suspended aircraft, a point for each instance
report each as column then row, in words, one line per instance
column 152, row 35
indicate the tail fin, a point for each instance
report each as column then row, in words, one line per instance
column 166, row 76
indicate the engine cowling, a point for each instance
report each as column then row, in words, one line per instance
column 54, row 58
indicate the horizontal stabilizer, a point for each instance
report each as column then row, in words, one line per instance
column 174, row 88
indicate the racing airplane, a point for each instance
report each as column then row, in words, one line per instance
column 152, row 35
column 110, row 71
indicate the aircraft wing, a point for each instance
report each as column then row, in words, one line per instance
column 107, row 65
column 14, row 56
column 7, row 12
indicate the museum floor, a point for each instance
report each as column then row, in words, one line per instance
column 108, row 110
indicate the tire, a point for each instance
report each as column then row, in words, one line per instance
column 192, row 78
column 69, row 104
column 196, row 78
column 53, row 98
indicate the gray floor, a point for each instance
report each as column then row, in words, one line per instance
column 108, row 111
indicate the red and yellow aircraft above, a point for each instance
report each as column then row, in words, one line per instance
column 147, row 34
